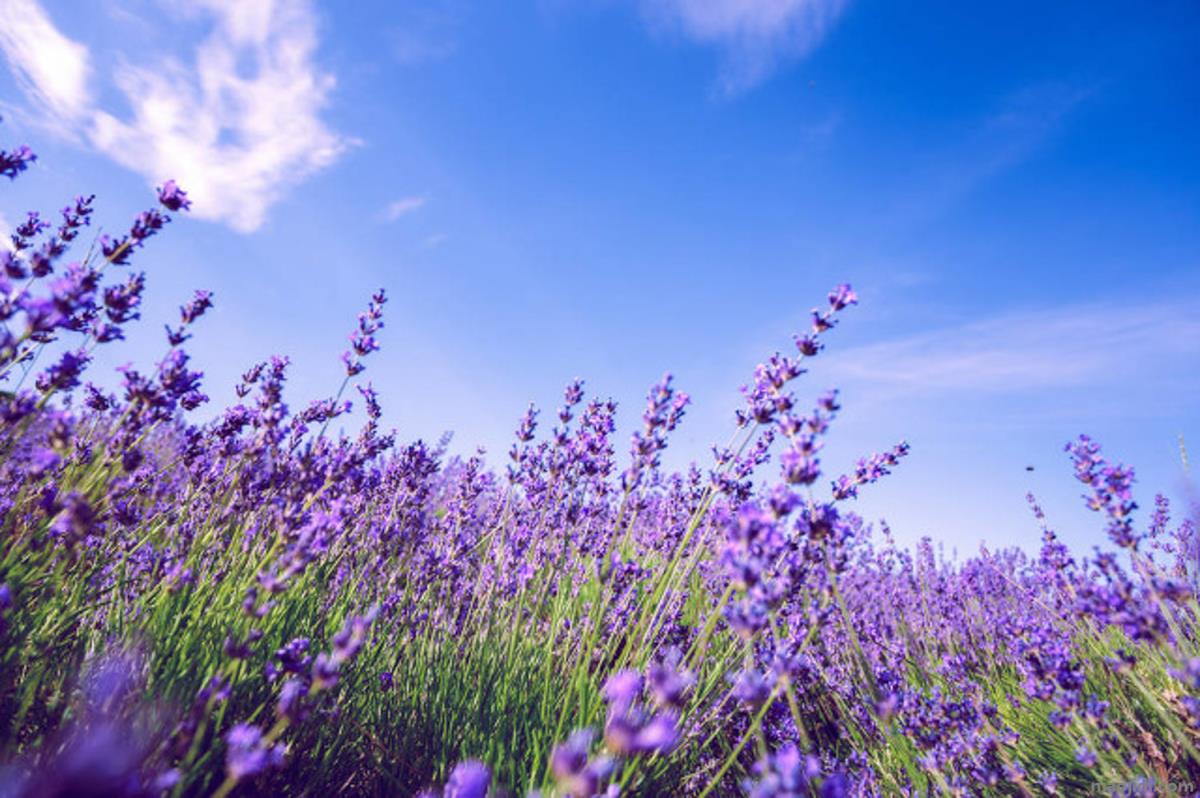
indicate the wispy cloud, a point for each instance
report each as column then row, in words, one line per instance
column 50, row 68
column 754, row 36
column 821, row 131
column 5, row 233
column 214, row 122
column 1018, row 126
column 1063, row 347
column 402, row 207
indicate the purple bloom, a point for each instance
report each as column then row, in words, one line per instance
column 667, row 683
column 172, row 197
column 787, row 774
column 291, row 700
column 799, row 465
column 63, row 375
column 753, row 688
column 1085, row 756
column 362, row 340
column 630, row 729
column 869, row 470
column 325, row 673
column 24, row 233
column 1111, row 489
column 842, row 296
column 658, row 735
column 664, row 410
column 1189, row 673
column 622, row 689
column 248, row 754
column 469, row 779
column 6, row 604
column 293, row 658
column 188, row 314
column 13, row 162
column 575, row 774
column 76, row 521
column 348, row 641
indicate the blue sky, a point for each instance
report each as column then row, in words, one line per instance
column 614, row 188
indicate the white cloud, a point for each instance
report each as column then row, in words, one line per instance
column 402, row 207
column 5, row 233
column 1064, row 347
column 237, row 124
column 754, row 36
column 51, row 68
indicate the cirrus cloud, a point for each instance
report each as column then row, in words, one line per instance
column 402, row 207
column 1020, row 352
column 754, row 36
column 238, row 123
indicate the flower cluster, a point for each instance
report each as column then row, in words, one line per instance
column 166, row 584
column 362, row 340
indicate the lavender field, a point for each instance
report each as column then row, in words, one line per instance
column 258, row 605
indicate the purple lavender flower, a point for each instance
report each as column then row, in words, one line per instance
column 291, row 700
column 248, row 753
column 349, row 641
column 24, row 233
column 325, row 672
column 469, row 779
column 622, row 689
column 668, row 684
column 63, row 375
column 785, row 774
column 753, row 688
column 172, row 197
column 575, row 774
column 292, row 658
column 1110, row 489
column 664, row 410
column 188, row 314
column 629, row 729
column 842, row 296
column 13, row 162
column 75, row 521
column 362, row 340
column 869, row 470
column 6, row 604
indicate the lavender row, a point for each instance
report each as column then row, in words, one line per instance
column 254, row 605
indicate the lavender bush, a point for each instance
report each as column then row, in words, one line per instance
column 253, row 605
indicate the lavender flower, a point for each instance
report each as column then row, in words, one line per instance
column 1110, row 489
column 362, row 340
column 248, row 753
column 13, row 162
column 664, row 410
column 576, row 773
column 172, row 197
column 784, row 774
column 630, row 729
column 469, row 779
